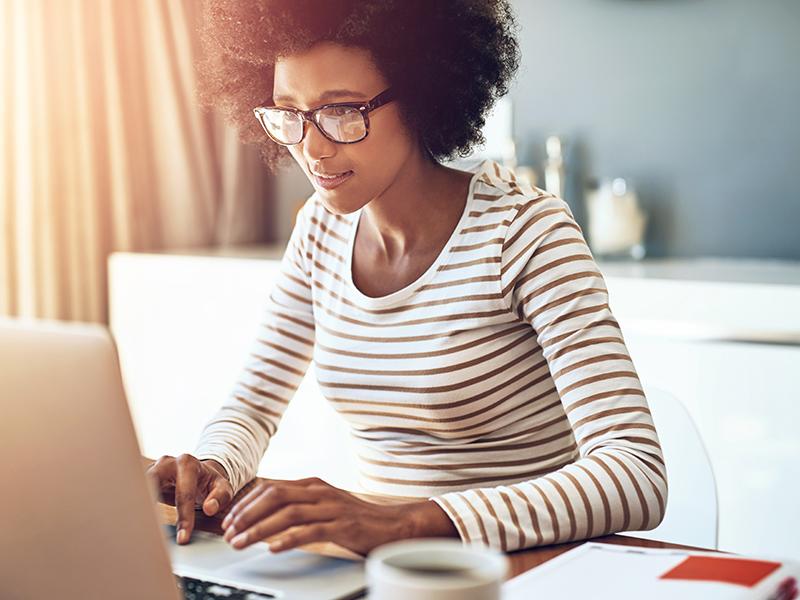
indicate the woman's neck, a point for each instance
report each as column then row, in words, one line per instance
column 411, row 213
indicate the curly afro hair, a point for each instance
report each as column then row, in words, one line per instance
column 449, row 60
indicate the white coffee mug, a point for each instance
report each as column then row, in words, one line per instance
column 434, row 569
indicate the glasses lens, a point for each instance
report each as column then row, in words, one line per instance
column 342, row 123
column 284, row 126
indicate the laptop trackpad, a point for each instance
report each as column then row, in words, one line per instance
column 293, row 573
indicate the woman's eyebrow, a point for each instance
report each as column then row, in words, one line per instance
column 328, row 95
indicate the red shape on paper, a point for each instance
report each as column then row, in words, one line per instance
column 739, row 571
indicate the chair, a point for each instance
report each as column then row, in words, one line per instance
column 692, row 511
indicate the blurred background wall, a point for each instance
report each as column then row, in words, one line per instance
column 695, row 101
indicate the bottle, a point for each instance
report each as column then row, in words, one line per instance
column 524, row 173
column 554, row 166
column 616, row 222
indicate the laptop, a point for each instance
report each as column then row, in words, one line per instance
column 80, row 519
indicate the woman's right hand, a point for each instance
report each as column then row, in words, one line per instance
column 185, row 482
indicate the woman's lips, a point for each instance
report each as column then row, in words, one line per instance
column 329, row 183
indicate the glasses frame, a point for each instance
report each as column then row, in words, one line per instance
column 310, row 116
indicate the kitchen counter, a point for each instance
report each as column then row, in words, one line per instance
column 708, row 299
column 721, row 270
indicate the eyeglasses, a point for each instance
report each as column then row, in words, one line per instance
column 342, row 122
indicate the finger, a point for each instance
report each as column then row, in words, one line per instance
column 314, row 485
column 185, row 492
column 311, row 489
column 263, row 505
column 284, row 519
column 306, row 534
column 161, row 473
column 219, row 496
column 250, row 496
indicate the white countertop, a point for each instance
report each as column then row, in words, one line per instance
column 250, row 251
column 723, row 270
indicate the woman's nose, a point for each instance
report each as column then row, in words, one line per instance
column 316, row 146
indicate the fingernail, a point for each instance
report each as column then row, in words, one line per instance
column 275, row 545
column 183, row 536
column 213, row 506
column 239, row 539
column 226, row 521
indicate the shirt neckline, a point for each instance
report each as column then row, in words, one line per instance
column 412, row 287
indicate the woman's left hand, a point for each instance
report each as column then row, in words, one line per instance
column 294, row 513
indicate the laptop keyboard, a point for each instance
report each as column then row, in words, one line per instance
column 196, row 589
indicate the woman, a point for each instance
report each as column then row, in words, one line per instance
column 456, row 319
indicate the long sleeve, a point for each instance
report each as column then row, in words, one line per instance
column 238, row 434
column 618, row 482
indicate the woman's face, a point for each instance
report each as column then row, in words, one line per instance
column 312, row 78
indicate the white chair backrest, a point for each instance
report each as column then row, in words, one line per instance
column 692, row 511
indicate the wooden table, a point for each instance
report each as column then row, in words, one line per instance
column 519, row 561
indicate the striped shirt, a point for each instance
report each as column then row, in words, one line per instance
column 497, row 384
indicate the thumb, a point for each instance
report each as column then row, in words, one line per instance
column 219, row 496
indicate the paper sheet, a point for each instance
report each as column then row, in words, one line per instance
column 607, row 571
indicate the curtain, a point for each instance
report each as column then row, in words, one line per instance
column 103, row 148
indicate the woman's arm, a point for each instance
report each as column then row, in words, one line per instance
column 238, row 434
column 619, row 482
